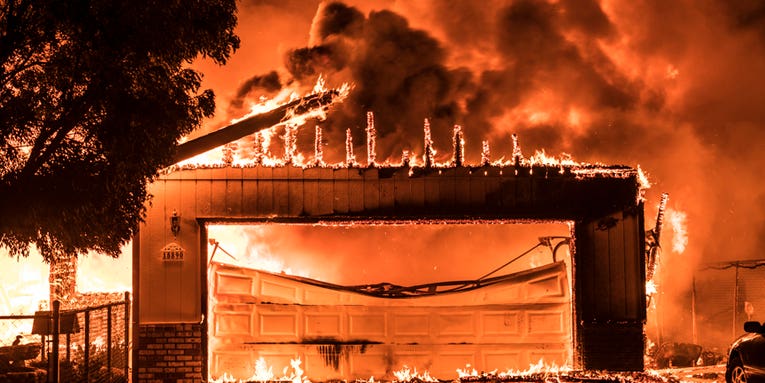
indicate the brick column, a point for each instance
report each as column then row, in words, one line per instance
column 170, row 353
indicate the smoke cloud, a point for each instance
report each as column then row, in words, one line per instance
column 674, row 87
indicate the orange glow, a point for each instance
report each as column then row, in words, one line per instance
column 324, row 251
column 236, row 250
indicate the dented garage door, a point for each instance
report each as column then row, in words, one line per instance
column 346, row 335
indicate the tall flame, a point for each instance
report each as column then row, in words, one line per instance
column 263, row 372
column 290, row 145
column 677, row 220
column 458, row 143
column 485, row 153
column 429, row 156
column 318, row 151
column 350, row 158
column 371, row 139
column 517, row 155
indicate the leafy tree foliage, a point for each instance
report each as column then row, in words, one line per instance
column 94, row 95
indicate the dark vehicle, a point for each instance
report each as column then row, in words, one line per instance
column 746, row 361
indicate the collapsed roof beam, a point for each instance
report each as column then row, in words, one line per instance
column 253, row 124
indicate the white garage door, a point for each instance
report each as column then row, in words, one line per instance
column 340, row 334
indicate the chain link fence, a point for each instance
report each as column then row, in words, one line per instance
column 726, row 295
column 86, row 344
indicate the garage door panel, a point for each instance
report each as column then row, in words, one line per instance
column 455, row 325
column 545, row 323
column 324, row 325
column 411, row 325
column 367, row 325
column 233, row 324
column 500, row 324
column 234, row 284
column 235, row 363
column 277, row 326
column 278, row 291
column 548, row 287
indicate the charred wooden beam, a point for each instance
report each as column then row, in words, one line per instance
column 254, row 124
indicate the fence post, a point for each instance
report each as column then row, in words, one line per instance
column 87, row 346
column 127, row 333
column 54, row 352
column 109, row 342
column 68, row 345
column 735, row 304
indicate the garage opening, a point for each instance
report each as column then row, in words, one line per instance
column 354, row 299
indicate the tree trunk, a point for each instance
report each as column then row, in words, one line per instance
column 63, row 278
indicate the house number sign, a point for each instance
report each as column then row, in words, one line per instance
column 172, row 252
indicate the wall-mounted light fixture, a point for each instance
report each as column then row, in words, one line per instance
column 175, row 223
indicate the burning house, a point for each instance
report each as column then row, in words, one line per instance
column 197, row 315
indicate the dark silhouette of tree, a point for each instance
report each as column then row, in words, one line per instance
column 94, row 95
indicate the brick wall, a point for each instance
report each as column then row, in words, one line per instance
column 169, row 353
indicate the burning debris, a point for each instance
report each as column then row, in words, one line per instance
column 350, row 158
column 429, row 157
column 318, row 150
column 265, row 373
column 485, row 154
column 536, row 373
column 653, row 243
column 371, row 139
column 458, row 143
column 561, row 375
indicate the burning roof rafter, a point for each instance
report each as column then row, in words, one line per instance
column 540, row 162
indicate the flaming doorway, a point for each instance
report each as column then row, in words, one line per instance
column 360, row 299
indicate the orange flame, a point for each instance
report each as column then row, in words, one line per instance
column 265, row 373
column 407, row 375
column 538, row 368
column 677, row 220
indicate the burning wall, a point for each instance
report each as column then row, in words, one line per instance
column 603, row 203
